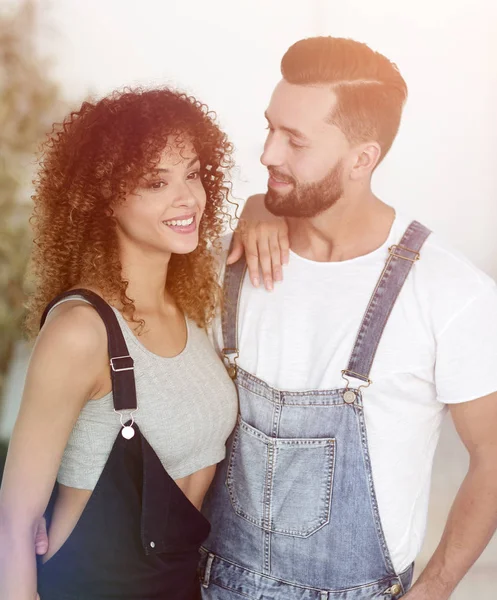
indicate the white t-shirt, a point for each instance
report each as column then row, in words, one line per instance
column 439, row 347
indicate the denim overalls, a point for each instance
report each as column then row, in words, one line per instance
column 139, row 535
column 293, row 509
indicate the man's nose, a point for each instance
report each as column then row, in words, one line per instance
column 274, row 152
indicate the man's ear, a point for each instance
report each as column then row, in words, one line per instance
column 367, row 157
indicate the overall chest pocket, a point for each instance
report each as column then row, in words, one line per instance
column 282, row 485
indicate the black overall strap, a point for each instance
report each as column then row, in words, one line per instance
column 401, row 258
column 121, row 363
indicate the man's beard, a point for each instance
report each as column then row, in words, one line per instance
column 306, row 200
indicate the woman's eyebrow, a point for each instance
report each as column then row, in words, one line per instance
column 190, row 164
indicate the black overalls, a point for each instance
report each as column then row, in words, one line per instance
column 138, row 537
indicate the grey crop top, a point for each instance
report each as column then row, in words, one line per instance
column 187, row 407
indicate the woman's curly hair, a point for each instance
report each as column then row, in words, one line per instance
column 89, row 163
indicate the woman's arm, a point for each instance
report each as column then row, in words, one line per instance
column 264, row 238
column 63, row 374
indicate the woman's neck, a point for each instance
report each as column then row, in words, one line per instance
column 146, row 274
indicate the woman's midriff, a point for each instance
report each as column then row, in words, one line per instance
column 71, row 503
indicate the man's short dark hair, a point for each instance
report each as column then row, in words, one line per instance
column 370, row 89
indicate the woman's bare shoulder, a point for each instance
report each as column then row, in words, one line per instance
column 73, row 327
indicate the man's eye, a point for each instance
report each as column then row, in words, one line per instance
column 295, row 145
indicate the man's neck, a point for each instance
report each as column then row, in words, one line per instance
column 350, row 228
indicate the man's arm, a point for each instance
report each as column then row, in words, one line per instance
column 473, row 517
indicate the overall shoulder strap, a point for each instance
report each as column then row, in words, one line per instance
column 233, row 280
column 121, row 363
column 401, row 258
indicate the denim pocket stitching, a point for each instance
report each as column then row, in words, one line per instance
column 321, row 519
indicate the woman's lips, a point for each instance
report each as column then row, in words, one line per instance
column 175, row 225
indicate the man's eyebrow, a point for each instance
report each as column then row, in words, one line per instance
column 295, row 132
column 190, row 164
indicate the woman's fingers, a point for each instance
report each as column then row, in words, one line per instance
column 236, row 248
column 266, row 247
column 265, row 256
column 41, row 538
column 252, row 251
column 275, row 252
column 284, row 243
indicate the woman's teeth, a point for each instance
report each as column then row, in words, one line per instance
column 183, row 223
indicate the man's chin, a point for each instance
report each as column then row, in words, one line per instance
column 278, row 196
column 273, row 202
column 276, row 206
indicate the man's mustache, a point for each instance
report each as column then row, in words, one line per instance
column 280, row 176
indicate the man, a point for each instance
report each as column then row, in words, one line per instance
column 345, row 370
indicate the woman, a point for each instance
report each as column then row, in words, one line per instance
column 128, row 203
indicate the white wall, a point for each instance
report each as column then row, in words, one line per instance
column 225, row 52
column 442, row 167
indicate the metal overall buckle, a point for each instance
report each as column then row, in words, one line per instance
column 126, row 367
column 127, row 431
column 230, row 363
column 393, row 252
column 349, row 396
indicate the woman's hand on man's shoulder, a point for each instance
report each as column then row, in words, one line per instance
column 264, row 239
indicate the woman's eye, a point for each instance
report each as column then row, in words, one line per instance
column 194, row 175
column 156, row 185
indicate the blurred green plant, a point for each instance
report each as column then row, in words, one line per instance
column 29, row 103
